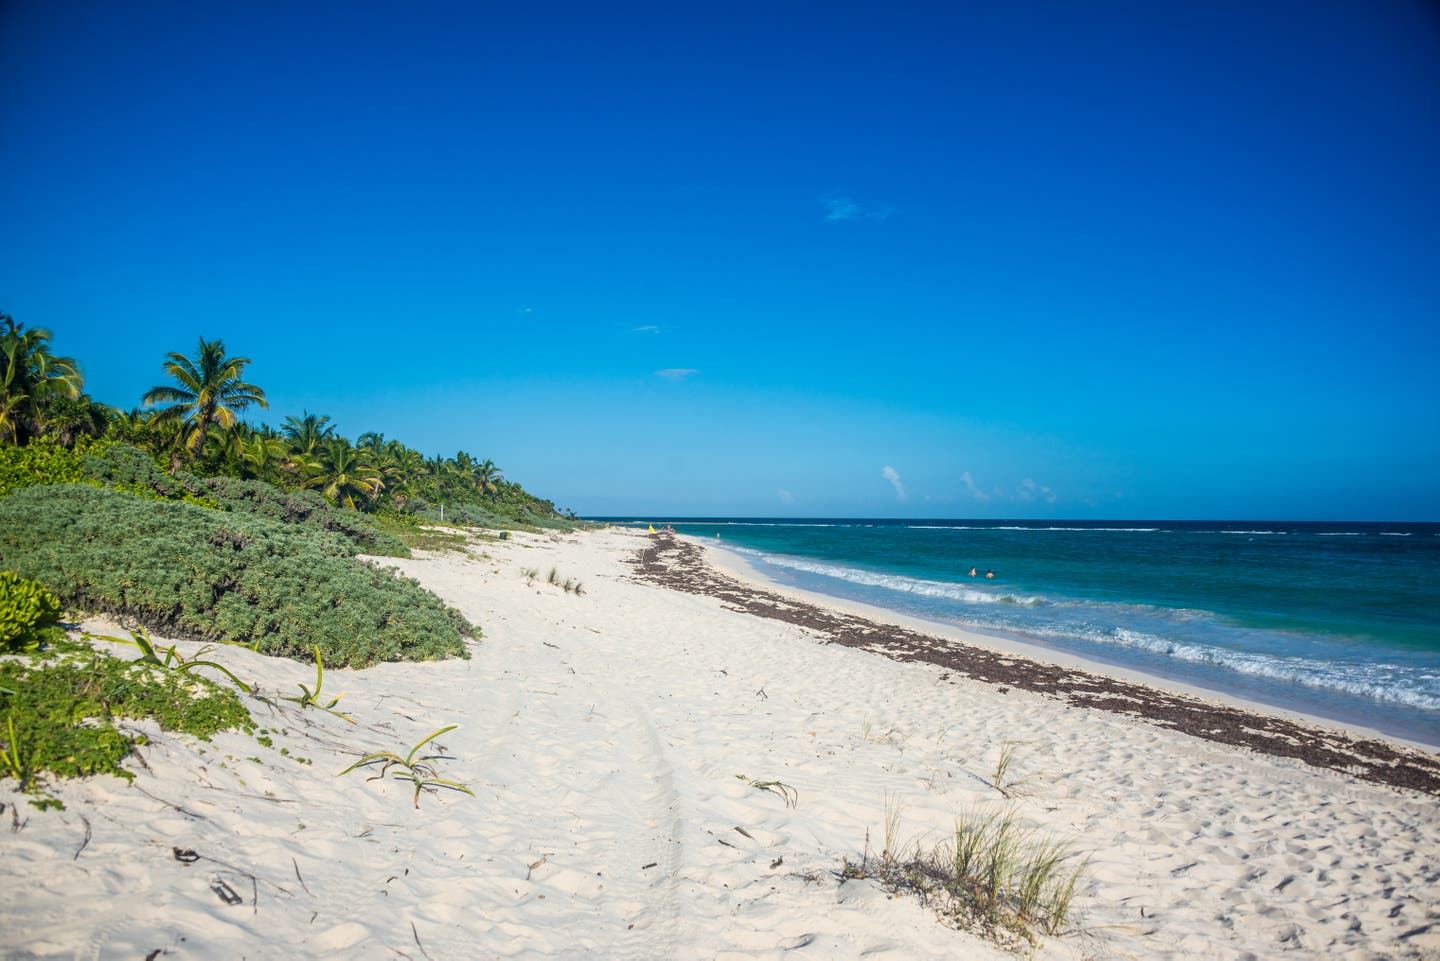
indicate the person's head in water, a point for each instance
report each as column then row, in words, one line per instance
column 972, row 572
column 990, row 575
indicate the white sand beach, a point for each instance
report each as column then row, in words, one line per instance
column 603, row 735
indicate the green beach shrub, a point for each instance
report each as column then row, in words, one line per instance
column 307, row 509
column 41, row 461
column 186, row 571
column 130, row 469
column 58, row 711
column 26, row 609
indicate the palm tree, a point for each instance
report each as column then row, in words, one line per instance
column 210, row 391
column 70, row 418
column 344, row 475
column 262, row 455
column 30, row 379
column 488, row 477
column 308, row 431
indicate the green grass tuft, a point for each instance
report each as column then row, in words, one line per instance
column 994, row 877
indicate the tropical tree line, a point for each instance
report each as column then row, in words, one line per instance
column 194, row 421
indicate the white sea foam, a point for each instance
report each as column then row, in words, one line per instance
column 894, row 582
column 1080, row 530
column 1386, row 682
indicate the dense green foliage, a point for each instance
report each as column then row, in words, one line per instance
column 39, row 462
column 57, row 711
column 186, row 571
column 26, row 609
column 33, row 381
column 198, row 427
column 127, row 468
column 305, row 508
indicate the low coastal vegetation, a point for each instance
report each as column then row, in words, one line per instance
column 994, row 877
column 190, row 572
column 179, row 517
column 59, row 707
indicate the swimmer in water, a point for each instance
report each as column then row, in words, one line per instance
column 990, row 575
column 972, row 572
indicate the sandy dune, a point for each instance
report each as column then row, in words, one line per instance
column 603, row 734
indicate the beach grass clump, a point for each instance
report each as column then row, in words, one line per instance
column 188, row 572
column 568, row 584
column 28, row 613
column 59, row 709
column 994, row 877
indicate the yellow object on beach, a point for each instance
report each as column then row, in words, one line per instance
column 652, row 528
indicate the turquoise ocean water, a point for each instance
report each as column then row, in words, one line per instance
column 1341, row 620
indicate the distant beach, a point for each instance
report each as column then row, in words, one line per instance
column 1336, row 620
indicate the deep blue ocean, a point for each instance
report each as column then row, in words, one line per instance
column 1340, row 620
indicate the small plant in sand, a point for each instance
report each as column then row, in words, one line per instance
column 788, row 793
column 173, row 659
column 309, row 698
column 419, row 770
column 995, row 877
column 569, row 584
column 1004, row 779
column 15, row 765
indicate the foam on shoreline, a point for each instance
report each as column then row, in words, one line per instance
column 736, row 565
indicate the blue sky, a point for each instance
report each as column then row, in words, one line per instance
column 1038, row 259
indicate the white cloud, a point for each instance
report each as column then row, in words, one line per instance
column 676, row 373
column 975, row 491
column 786, row 497
column 1028, row 490
column 893, row 476
column 647, row 329
column 839, row 207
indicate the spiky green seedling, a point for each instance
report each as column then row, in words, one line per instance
column 173, row 659
column 418, row 770
column 11, row 756
column 309, row 698
column 786, row 792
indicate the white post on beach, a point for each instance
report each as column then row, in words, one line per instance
column 442, row 513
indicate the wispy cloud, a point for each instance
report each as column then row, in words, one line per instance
column 1028, row 490
column 676, row 373
column 840, row 207
column 893, row 476
column 785, row 496
column 647, row 329
column 974, row 490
